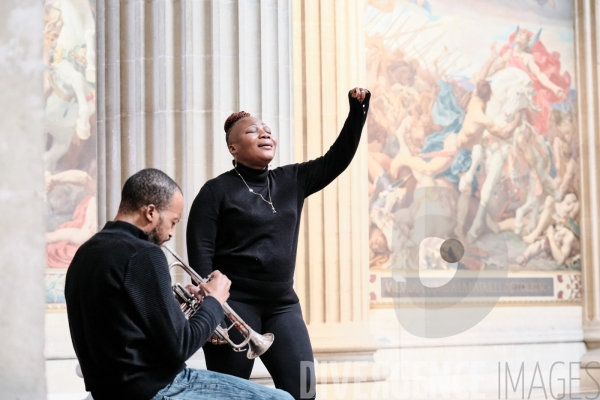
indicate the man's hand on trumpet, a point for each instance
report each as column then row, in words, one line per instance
column 217, row 286
column 195, row 291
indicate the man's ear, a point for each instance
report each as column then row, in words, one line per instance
column 150, row 212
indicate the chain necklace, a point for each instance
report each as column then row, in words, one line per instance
column 269, row 202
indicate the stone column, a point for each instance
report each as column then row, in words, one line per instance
column 332, row 264
column 22, row 241
column 169, row 74
column 586, row 31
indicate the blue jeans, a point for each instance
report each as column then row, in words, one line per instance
column 195, row 384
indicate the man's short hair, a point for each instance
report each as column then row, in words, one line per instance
column 148, row 186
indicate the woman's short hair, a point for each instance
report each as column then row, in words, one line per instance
column 231, row 120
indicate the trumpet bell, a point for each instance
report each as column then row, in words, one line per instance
column 258, row 344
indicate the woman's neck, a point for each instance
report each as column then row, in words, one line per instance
column 252, row 174
column 256, row 166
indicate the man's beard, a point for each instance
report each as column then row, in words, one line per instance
column 154, row 234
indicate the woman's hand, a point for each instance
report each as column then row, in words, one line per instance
column 359, row 94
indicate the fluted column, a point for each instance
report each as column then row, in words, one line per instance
column 587, row 50
column 332, row 264
column 22, row 240
column 169, row 74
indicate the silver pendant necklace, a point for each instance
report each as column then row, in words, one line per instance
column 270, row 202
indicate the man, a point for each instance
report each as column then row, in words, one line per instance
column 128, row 331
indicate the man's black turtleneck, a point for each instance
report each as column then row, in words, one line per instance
column 128, row 331
column 234, row 231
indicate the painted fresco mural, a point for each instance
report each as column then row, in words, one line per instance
column 477, row 97
column 70, row 131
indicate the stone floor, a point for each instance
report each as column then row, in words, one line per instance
column 537, row 371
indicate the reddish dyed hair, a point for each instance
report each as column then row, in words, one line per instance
column 231, row 120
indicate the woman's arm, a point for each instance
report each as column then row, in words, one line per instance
column 316, row 174
column 202, row 231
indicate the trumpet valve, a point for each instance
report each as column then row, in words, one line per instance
column 188, row 302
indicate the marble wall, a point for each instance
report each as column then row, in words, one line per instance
column 22, row 202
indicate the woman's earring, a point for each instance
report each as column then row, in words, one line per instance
column 234, row 162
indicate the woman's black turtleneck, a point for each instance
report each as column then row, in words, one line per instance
column 234, row 231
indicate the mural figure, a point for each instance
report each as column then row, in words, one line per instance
column 71, row 73
column 64, row 241
column 69, row 58
column 556, row 236
column 498, row 130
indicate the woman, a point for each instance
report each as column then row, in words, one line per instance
column 245, row 223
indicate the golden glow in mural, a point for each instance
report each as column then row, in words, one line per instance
column 70, row 131
column 476, row 98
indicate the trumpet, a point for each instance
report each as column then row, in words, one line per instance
column 257, row 344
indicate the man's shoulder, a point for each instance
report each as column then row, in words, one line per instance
column 119, row 239
column 104, row 259
column 111, row 245
column 148, row 251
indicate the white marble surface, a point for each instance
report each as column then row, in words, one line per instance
column 464, row 366
column 64, row 384
column 22, row 239
column 453, row 372
column 503, row 325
